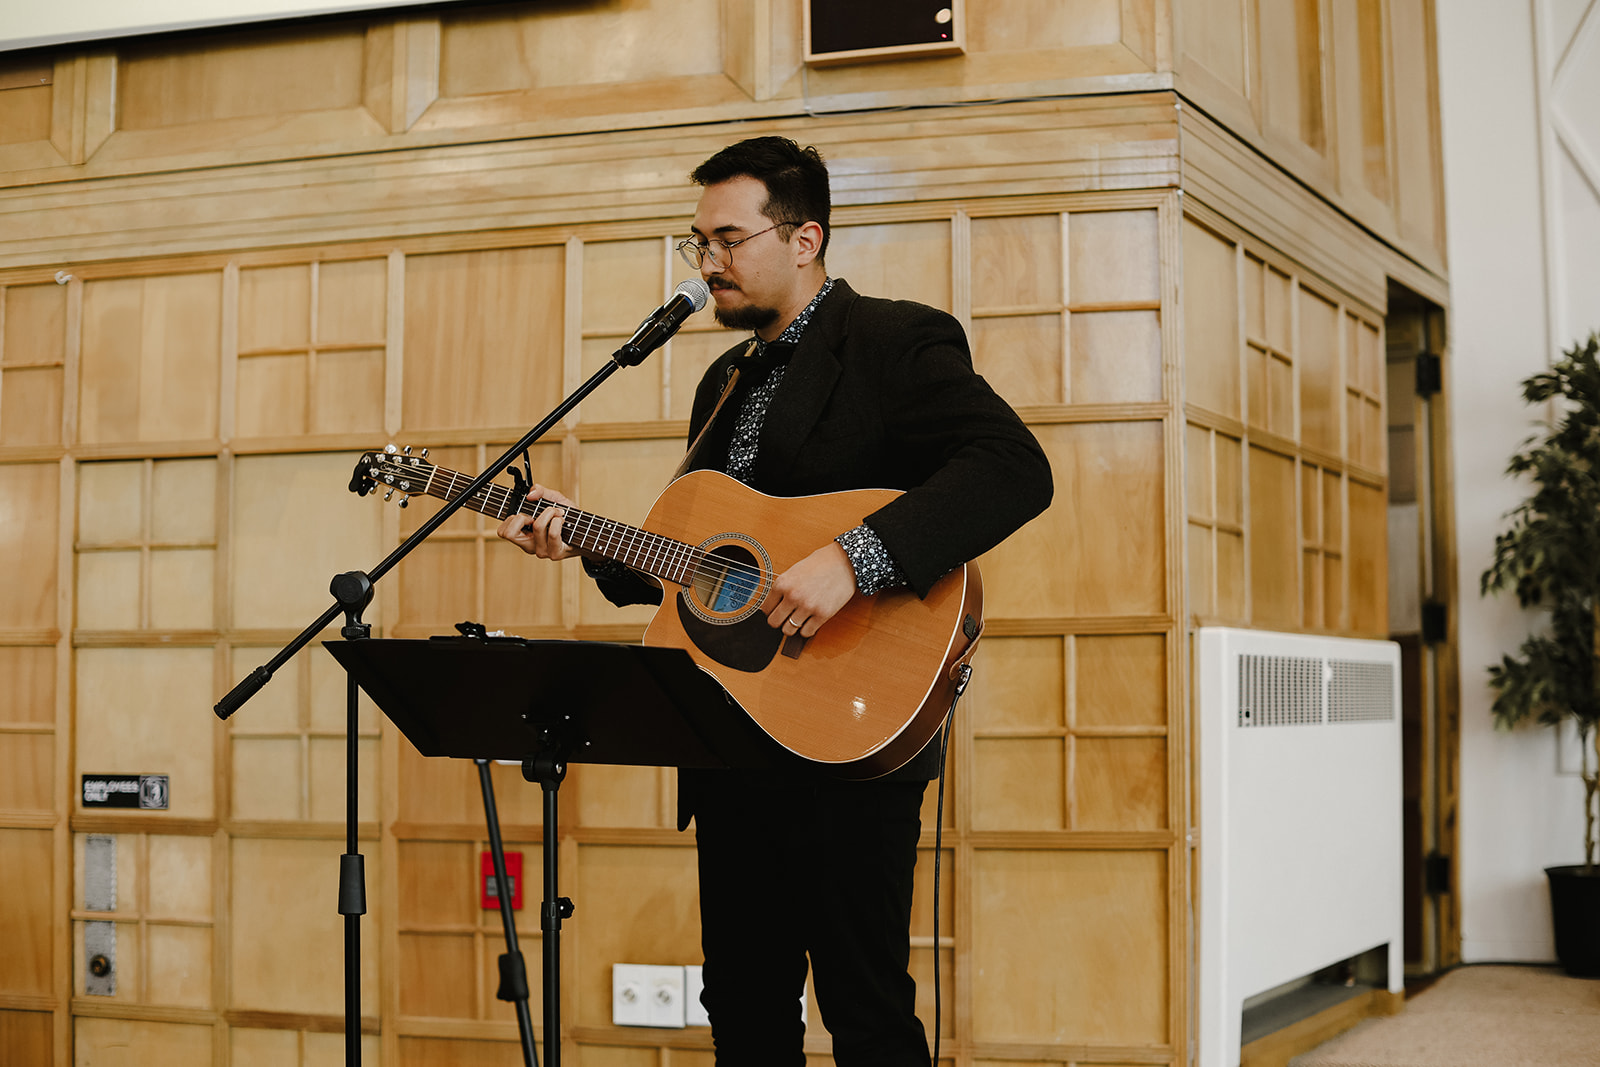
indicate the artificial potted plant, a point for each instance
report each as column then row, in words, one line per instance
column 1551, row 556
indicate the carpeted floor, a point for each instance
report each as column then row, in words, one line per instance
column 1479, row 1016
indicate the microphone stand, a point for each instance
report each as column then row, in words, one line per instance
column 353, row 592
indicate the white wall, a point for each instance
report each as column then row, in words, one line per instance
column 1520, row 96
column 35, row 23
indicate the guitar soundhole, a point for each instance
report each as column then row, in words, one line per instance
column 729, row 583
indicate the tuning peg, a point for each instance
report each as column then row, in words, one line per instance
column 424, row 453
column 390, row 449
column 404, row 501
column 389, row 495
column 406, row 450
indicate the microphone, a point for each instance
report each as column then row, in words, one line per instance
column 690, row 296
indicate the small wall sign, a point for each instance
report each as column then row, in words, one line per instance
column 148, row 792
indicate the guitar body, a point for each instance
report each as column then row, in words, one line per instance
column 872, row 687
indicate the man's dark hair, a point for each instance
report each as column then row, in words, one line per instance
column 796, row 179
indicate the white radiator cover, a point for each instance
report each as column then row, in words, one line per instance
column 1299, row 815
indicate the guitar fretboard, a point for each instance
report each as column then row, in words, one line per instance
column 664, row 557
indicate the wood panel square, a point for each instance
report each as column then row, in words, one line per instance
column 1200, row 580
column 295, row 526
column 1321, row 395
column 180, row 877
column 452, row 1052
column 483, row 337
column 1120, row 784
column 641, row 905
column 353, row 302
column 30, row 406
column 1018, row 682
column 689, row 354
column 1274, row 544
column 1116, row 357
column 519, row 590
column 111, row 502
column 25, row 114
column 274, row 308
column 165, row 82
column 268, row 778
column 895, row 260
column 1100, row 549
column 438, row 585
column 135, row 716
column 27, row 885
column 1019, row 784
column 272, row 395
column 620, row 481
column 29, row 695
column 347, row 392
column 494, row 52
column 1198, row 464
column 438, row 884
column 27, row 772
column 284, row 936
column 1072, row 947
column 108, row 590
column 179, row 969
column 1369, row 560
column 634, row 395
column 181, row 593
column 1114, row 256
column 29, row 531
column 183, row 505
column 623, row 796
column 1021, row 356
column 622, row 281
column 35, row 327
column 28, row 1035
column 1210, row 321
column 134, row 1043
column 437, row 975
column 1121, row 680
column 151, row 359
column 1016, row 261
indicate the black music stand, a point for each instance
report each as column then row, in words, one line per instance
column 549, row 703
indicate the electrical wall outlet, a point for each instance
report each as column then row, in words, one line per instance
column 644, row 995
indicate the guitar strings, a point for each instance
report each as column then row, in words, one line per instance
column 687, row 558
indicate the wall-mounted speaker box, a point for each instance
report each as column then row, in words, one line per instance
column 850, row 31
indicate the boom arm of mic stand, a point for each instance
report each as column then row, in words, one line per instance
column 252, row 683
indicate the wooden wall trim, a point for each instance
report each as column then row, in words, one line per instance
column 1051, row 147
column 1231, row 187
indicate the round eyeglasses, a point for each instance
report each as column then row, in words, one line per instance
column 719, row 252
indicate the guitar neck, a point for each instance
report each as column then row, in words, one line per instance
column 665, row 558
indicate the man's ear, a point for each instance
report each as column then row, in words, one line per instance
column 807, row 241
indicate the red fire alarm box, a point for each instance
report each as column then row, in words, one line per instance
column 490, row 894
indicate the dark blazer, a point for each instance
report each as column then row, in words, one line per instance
column 881, row 394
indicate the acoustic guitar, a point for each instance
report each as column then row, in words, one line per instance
column 858, row 699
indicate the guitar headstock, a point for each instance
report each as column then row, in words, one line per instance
column 395, row 469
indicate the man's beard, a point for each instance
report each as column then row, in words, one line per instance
column 749, row 317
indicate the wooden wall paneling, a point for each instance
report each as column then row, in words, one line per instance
column 1294, row 83
column 182, row 540
column 1114, row 293
column 402, row 70
column 1211, row 299
column 132, row 706
column 285, row 936
column 482, row 334
column 150, row 359
column 29, row 542
column 111, row 545
column 294, row 525
column 274, row 339
column 620, row 480
column 621, row 282
column 349, row 331
column 33, row 336
column 253, row 88
column 83, row 111
column 28, row 1035
column 1362, row 85
column 1320, row 372
column 1100, row 547
column 1369, row 559
column 1019, row 316
column 1200, row 575
column 1022, row 737
column 901, row 261
column 141, row 1043
column 1274, row 549
column 28, row 886
column 1113, row 996
column 1414, row 67
column 28, row 783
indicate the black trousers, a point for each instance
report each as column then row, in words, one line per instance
column 795, row 867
